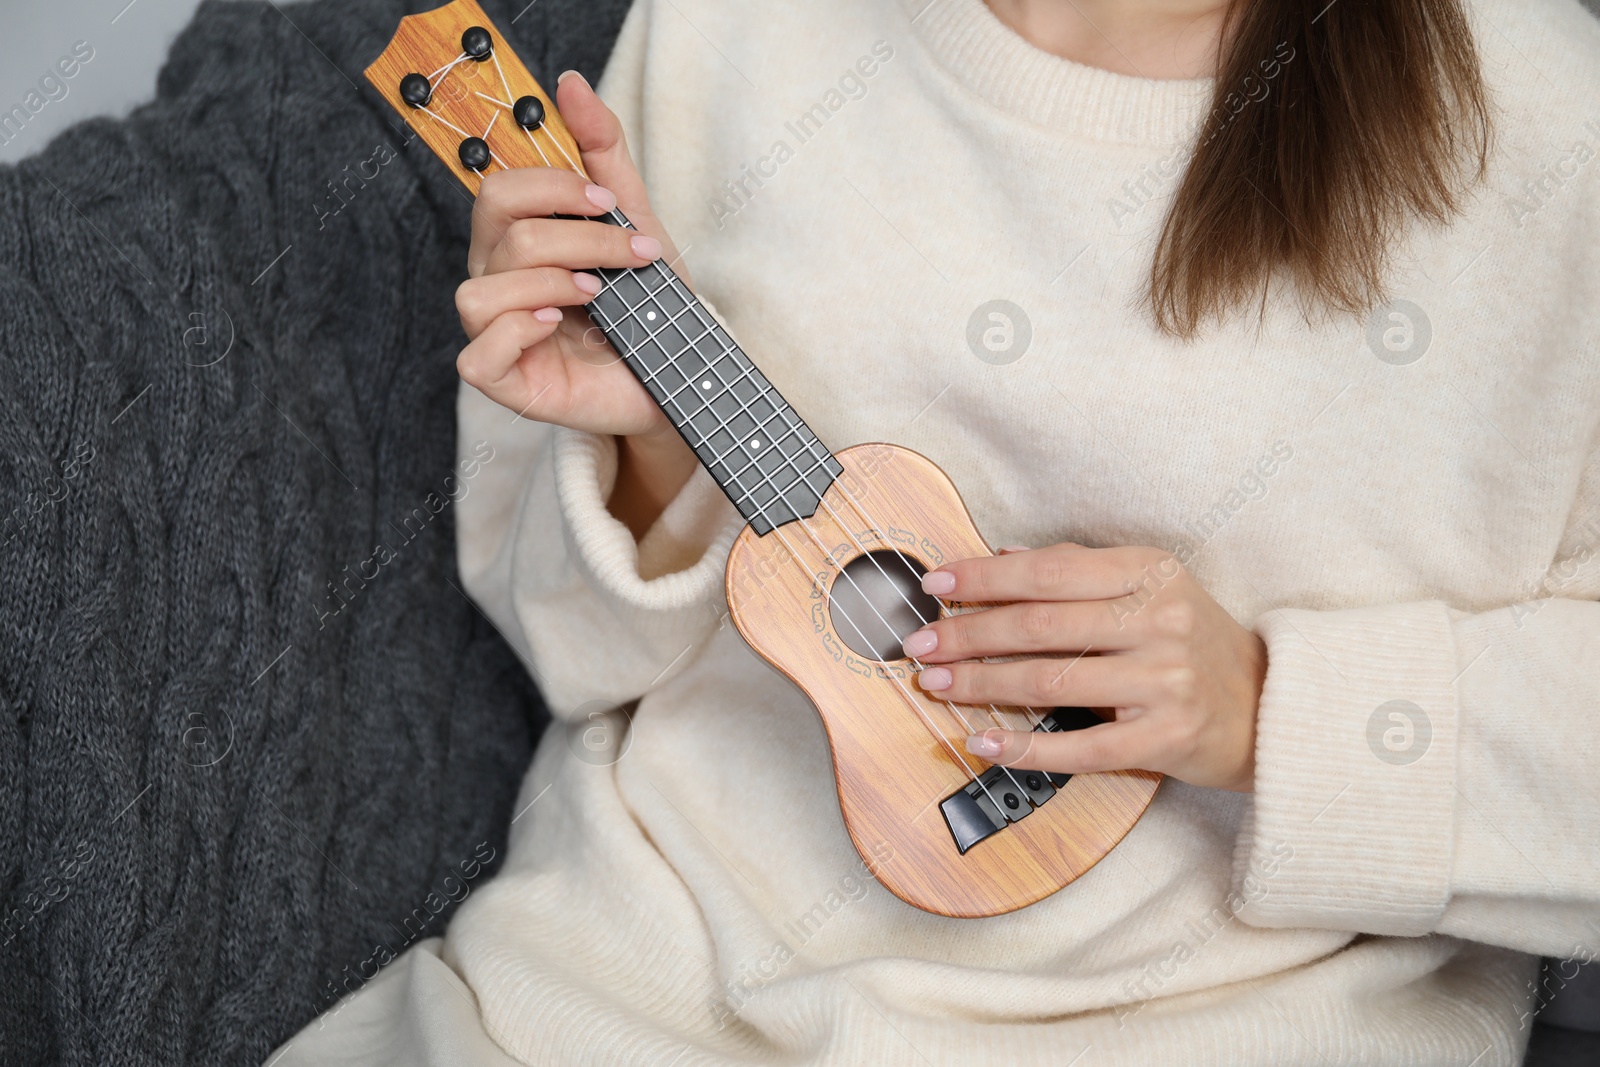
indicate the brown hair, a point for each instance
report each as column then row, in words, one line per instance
column 1328, row 132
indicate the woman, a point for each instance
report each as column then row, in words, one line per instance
column 1282, row 366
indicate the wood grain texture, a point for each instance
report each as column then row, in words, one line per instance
column 424, row 43
column 891, row 767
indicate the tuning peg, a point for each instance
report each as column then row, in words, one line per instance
column 477, row 43
column 415, row 90
column 474, row 153
column 529, row 112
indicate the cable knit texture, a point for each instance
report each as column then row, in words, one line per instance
column 1405, row 506
column 226, row 780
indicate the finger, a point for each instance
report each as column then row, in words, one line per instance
column 1059, row 572
column 1025, row 626
column 479, row 301
column 604, row 146
column 490, row 362
column 1083, row 681
column 525, row 193
column 1134, row 744
column 570, row 243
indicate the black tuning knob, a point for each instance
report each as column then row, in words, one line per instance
column 415, row 90
column 474, row 153
column 529, row 112
column 476, row 42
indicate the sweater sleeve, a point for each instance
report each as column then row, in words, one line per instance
column 1425, row 769
column 594, row 614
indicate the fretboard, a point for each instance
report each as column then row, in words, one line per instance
column 755, row 446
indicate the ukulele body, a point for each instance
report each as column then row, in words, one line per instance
column 891, row 767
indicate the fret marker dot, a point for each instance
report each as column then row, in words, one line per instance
column 706, row 384
column 651, row 315
column 755, row 442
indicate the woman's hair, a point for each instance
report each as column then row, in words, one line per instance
column 1332, row 125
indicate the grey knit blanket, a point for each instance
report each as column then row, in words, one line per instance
column 254, row 740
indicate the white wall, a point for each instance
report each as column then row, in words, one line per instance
column 129, row 42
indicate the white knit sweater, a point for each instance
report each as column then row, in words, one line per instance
column 1405, row 507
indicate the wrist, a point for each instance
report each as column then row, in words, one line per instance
column 651, row 469
column 1256, row 677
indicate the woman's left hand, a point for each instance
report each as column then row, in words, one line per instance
column 1122, row 628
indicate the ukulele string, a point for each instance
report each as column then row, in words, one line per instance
column 877, row 528
column 426, row 110
column 535, row 142
column 494, row 54
column 690, row 303
column 861, row 512
column 438, row 76
column 464, row 134
column 531, row 138
column 791, row 428
column 674, row 282
column 994, row 712
column 905, row 693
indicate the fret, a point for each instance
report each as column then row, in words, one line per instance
column 705, row 399
column 705, row 384
column 821, row 464
column 672, row 392
column 699, row 380
column 748, row 495
column 724, row 475
column 753, row 441
column 804, row 476
column 674, row 346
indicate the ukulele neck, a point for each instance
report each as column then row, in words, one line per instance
column 755, row 446
column 481, row 110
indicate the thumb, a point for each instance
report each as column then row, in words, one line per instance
column 604, row 149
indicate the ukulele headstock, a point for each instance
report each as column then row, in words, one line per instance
column 454, row 78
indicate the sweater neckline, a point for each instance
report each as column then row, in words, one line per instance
column 970, row 42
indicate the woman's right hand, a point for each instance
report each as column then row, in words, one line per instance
column 533, row 349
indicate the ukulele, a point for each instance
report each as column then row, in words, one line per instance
column 824, row 581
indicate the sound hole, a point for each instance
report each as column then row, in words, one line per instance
column 876, row 600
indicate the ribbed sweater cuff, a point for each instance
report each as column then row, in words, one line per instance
column 679, row 561
column 1354, row 813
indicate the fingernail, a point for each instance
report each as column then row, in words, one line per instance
column 564, row 75
column 938, row 583
column 645, row 247
column 934, row 679
column 979, row 745
column 600, row 198
column 920, row 643
column 587, row 282
column 1015, row 548
column 548, row 314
